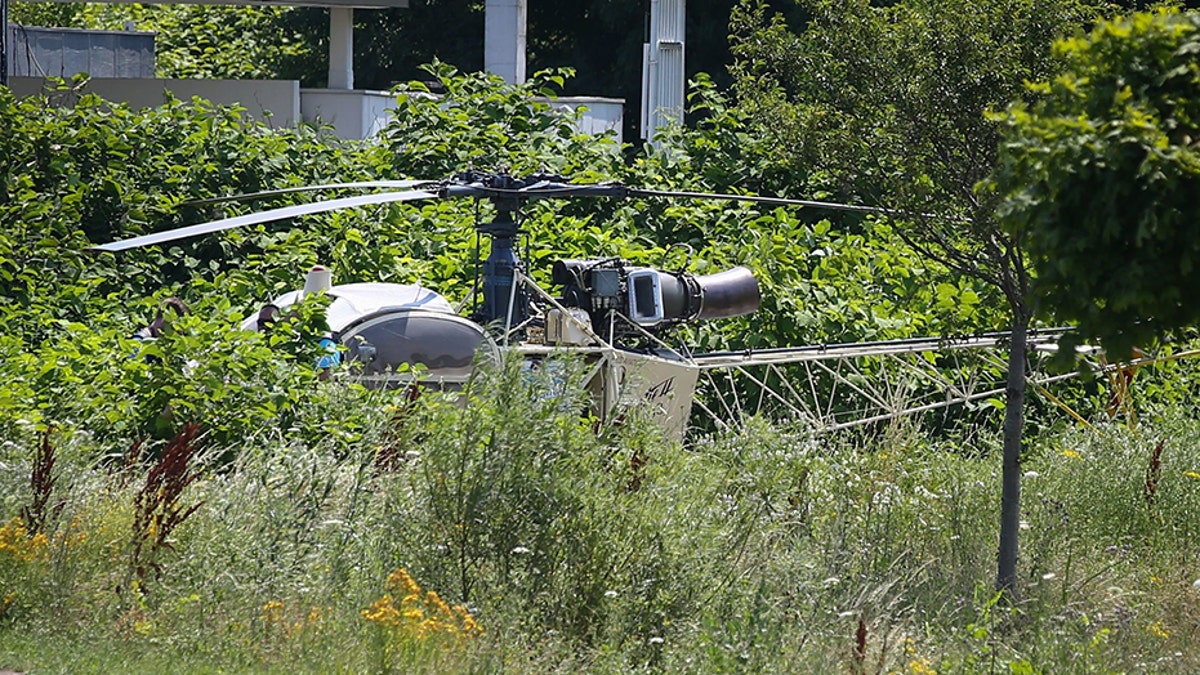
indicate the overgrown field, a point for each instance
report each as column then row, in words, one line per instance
column 505, row 535
column 206, row 503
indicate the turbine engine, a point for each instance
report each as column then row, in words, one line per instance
column 648, row 298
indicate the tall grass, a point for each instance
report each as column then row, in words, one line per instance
column 761, row 550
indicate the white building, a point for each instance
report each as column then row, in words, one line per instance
column 360, row 113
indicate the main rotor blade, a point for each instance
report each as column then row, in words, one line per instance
column 370, row 184
column 542, row 190
column 637, row 192
column 560, row 190
column 263, row 217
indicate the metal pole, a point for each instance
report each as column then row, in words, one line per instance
column 4, row 43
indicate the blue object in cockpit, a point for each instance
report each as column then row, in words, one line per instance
column 332, row 357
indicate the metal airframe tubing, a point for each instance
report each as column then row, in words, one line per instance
column 812, row 385
column 764, row 388
column 930, row 377
column 848, row 383
column 784, row 380
column 512, row 300
column 852, row 350
column 720, row 399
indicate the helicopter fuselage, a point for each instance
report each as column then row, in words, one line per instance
column 396, row 335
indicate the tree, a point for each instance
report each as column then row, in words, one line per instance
column 887, row 105
column 1100, row 178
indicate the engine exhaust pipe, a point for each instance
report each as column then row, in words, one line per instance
column 728, row 294
column 724, row 295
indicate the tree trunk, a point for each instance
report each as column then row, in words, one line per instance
column 1014, row 418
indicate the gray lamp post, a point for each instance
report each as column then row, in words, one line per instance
column 4, row 43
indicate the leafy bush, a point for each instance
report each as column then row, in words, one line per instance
column 517, row 505
column 482, row 122
column 97, row 171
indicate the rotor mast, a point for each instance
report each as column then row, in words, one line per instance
column 504, row 300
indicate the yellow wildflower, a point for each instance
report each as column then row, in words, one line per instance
column 307, row 623
column 16, row 542
column 921, row 667
column 469, row 626
column 428, row 626
column 417, row 616
column 383, row 611
column 1071, row 454
column 401, row 579
column 434, row 600
column 78, row 537
column 1156, row 629
column 272, row 612
column 1192, row 474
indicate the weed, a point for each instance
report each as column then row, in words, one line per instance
column 41, row 484
column 858, row 666
column 158, row 510
column 1153, row 475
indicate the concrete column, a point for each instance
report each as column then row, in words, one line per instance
column 341, row 47
column 504, row 39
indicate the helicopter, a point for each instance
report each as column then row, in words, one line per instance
column 618, row 317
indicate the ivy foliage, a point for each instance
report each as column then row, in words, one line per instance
column 1100, row 176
